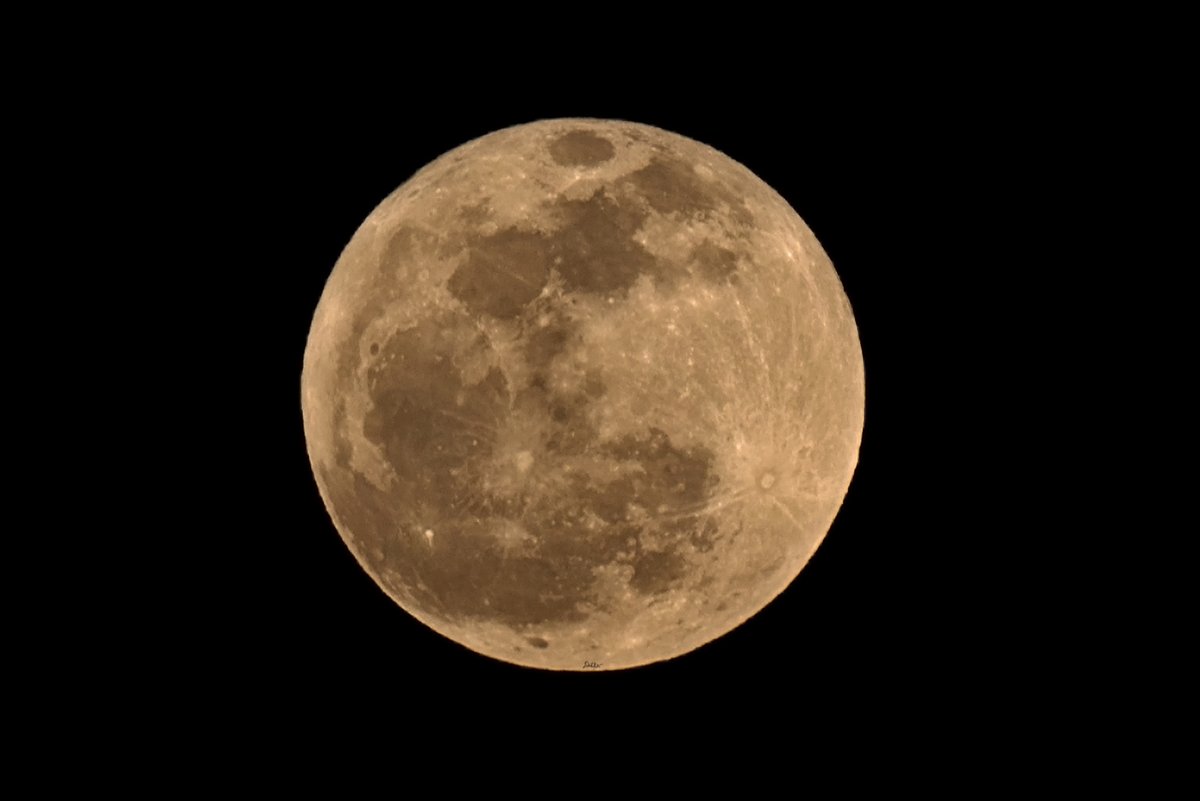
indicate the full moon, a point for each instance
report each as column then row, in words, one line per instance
column 583, row 394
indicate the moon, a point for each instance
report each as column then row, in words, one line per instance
column 583, row 394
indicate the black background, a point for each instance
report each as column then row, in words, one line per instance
column 889, row 613
column 197, row 186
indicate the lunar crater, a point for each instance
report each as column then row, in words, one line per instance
column 581, row 148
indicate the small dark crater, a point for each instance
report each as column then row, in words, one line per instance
column 593, row 384
column 545, row 343
column 581, row 149
column 374, row 348
column 771, row 569
column 721, row 607
column 537, row 642
column 714, row 263
column 476, row 213
column 655, row 571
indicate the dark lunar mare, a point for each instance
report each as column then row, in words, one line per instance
column 593, row 247
column 438, row 433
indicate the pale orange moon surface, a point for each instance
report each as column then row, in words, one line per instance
column 583, row 394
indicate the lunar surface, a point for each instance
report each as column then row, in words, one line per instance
column 583, row 394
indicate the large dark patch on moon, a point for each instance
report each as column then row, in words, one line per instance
column 581, row 149
column 671, row 185
column 593, row 246
column 424, row 418
column 502, row 272
column 592, row 249
column 440, row 434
